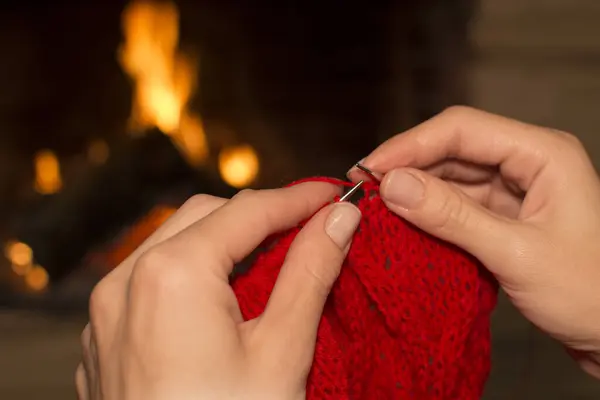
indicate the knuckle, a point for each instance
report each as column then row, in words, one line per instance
column 245, row 195
column 572, row 140
column 81, row 381
column 458, row 111
column 323, row 273
column 566, row 145
column 262, row 202
column 85, row 338
column 101, row 300
column 199, row 206
column 319, row 261
column 156, row 273
column 198, row 201
column 452, row 212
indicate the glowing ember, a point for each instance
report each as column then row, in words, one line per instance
column 47, row 173
column 164, row 79
column 37, row 278
column 238, row 165
column 19, row 254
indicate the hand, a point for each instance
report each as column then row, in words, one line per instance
column 165, row 324
column 523, row 199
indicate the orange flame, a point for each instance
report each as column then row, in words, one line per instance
column 163, row 77
column 47, row 172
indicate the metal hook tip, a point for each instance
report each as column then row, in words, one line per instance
column 367, row 171
column 351, row 192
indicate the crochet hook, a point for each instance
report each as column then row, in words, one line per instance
column 360, row 183
column 351, row 191
column 367, row 171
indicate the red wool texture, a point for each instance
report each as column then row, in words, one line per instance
column 408, row 318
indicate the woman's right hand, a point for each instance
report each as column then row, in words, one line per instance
column 523, row 199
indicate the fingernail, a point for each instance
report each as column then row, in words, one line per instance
column 353, row 168
column 402, row 189
column 341, row 223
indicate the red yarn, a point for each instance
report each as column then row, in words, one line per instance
column 408, row 318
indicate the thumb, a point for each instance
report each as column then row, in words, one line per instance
column 444, row 211
column 312, row 265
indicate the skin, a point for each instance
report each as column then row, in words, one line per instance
column 165, row 324
column 523, row 199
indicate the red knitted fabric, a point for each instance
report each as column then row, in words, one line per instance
column 407, row 319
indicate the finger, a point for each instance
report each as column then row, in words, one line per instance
column 229, row 234
column 473, row 136
column 483, row 184
column 193, row 210
column 193, row 267
column 108, row 297
column 446, row 212
column 462, row 171
column 312, row 265
column 81, row 383
column 86, row 340
column 454, row 170
column 87, row 361
column 477, row 192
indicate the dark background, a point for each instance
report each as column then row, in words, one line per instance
column 312, row 87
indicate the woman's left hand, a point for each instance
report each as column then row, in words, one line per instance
column 165, row 324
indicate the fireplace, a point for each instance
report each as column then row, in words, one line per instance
column 135, row 107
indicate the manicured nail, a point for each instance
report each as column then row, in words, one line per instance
column 353, row 169
column 341, row 223
column 402, row 189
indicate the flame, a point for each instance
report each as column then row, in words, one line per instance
column 238, row 165
column 47, row 173
column 163, row 77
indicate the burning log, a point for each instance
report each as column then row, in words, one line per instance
column 63, row 228
column 166, row 154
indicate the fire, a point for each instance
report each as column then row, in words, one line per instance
column 238, row 165
column 47, row 172
column 163, row 77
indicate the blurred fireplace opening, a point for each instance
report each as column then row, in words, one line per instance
column 323, row 82
column 327, row 83
column 313, row 88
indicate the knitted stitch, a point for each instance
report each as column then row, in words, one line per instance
column 408, row 317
